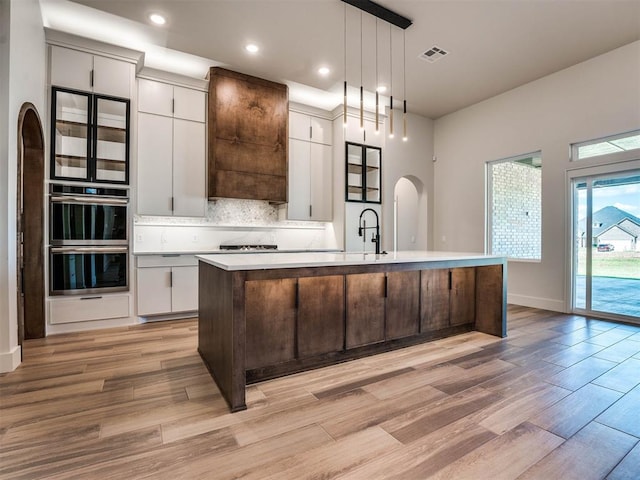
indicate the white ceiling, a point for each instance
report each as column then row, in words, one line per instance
column 494, row 45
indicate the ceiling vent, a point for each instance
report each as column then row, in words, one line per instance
column 433, row 54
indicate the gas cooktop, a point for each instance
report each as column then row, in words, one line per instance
column 248, row 248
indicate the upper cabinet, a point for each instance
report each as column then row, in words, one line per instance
column 247, row 137
column 363, row 173
column 368, row 135
column 171, row 100
column 171, row 150
column 310, row 168
column 78, row 70
column 310, row 128
column 90, row 137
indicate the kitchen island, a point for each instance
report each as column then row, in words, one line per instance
column 264, row 315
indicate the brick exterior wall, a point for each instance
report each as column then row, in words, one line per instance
column 516, row 210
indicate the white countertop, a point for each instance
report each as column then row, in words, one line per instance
column 268, row 261
column 217, row 251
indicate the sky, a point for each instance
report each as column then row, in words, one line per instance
column 624, row 197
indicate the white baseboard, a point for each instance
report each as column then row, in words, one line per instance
column 9, row 361
column 536, row 302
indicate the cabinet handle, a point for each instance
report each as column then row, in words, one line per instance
column 171, row 279
column 297, row 298
column 310, row 131
column 91, row 298
column 172, row 204
column 91, row 78
column 173, row 105
column 311, row 210
column 450, row 280
column 386, row 286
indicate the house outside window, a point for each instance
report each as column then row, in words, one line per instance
column 514, row 207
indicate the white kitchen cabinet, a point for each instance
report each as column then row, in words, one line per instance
column 87, row 308
column 84, row 71
column 155, row 164
column 166, row 284
column 171, row 166
column 310, row 181
column 189, row 168
column 310, row 168
column 154, row 290
column 310, row 128
column 368, row 136
column 184, row 291
column 174, row 101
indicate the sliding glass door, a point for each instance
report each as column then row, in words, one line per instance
column 606, row 244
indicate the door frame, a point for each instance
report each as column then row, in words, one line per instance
column 624, row 162
column 30, row 218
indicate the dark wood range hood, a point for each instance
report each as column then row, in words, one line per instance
column 248, row 137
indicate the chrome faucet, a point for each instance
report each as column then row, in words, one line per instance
column 362, row 230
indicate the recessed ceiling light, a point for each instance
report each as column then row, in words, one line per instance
column 252, row 48
column 324, row 71
column 157, row 19
column 382, row 89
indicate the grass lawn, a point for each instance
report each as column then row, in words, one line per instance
column 611, row 264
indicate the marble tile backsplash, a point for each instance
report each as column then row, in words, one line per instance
column 229, row 221
column 223, row 211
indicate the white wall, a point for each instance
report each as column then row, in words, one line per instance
column 407, row 216
column 22, row 62
column 411, row 159
column 595, row 98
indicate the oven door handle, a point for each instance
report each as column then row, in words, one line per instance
column 89, row 200
column 121, row 249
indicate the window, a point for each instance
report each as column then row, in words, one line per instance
column 514, row 207
column 606, row 146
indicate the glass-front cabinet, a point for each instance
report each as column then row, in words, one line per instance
column 363, row 167
column 90, row 137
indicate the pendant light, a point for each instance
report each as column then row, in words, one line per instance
column 404, row 86
column 376, row 85
column 344, row 103
column 390, row 83
column 393, row 19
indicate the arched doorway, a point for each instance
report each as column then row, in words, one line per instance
column 30, row 225
column 410, row 214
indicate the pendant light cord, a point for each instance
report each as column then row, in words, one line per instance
column 390, row 82
column 344, row 100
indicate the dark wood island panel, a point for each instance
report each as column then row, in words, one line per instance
column 257, row 324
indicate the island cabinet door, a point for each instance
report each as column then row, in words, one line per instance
column 434, row 310
column 489, row 300
column 463, row 296
column 320, row 315
column 365, row 309
column 270, row 313
column 403, row 304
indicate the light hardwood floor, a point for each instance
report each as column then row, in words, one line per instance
column 558, row 399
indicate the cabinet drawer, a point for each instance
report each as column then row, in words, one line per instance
column 86, row 308
column 166, row 261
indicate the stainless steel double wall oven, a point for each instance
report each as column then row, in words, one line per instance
column 89, row 239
